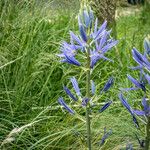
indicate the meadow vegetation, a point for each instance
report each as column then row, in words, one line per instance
column 32, row 78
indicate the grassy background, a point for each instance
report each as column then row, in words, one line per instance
column 31, row 78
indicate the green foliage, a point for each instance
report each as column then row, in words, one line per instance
column 31, row 78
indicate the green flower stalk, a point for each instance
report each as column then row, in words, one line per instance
column 88, row 78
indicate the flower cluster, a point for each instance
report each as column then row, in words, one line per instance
column 98, row 41
column 85, row 100
column 143, row 67
column 92, row 37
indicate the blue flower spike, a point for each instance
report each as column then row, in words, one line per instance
column 91, row 44
column 98, row 36
column 62, row 103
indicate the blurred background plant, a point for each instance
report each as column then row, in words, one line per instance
column 141, row 83
column 31, row 77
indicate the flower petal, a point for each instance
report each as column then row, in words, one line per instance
column 75, row 38
column 125, row 103
column 108, row 84
column 100, row 30
column 69, row 93
column 105, row 106
column 136, row 83
column 72, row 60
column 93, row 88
column 75, row 85
column 85, row 101
column 140, row 59
column 109, row 46
column 139, row 112
column 61, row 102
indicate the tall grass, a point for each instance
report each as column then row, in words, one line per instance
column 31, row 79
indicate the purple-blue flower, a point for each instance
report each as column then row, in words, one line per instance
column 140, row 59
column 108, row 46
column 86, row 18
column 130, row 110
column 108, row 84
column 146, row 109
column 68, row 54
column 125, row 104
column 105, row 106
column 96, row 56
column 93, row 88
column 75, row 85
column 85, row 101
column 77, row 40
column 82, row 30
column 97, row 38
column 69, row 93
column 71, row 60
column 137, row 83
column 105, row 136
column 61, row 102
column 98, row 32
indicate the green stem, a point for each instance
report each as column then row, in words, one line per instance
column 147, row 140
column 88, row 106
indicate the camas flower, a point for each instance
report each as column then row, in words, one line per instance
column 75, row 85
column 146, row 109
column 93, row 88
column 96, row 56
column 90, row 36
column 105, row 106
column 68, row 54
column 108, row 84
column 130, row 110
column 61, row 102
column 138, row 84
column 140, row 59
column 70, row 94
column 97, row 33
column 86, row 17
